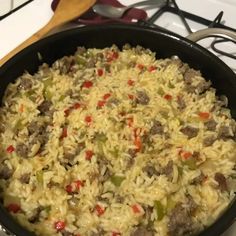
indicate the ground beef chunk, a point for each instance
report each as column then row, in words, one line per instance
column 203, row 86
column 190, row 74
column 211, row 125
column 73, row 201
column 142, row 231
column 180, row 221
column 208, row 141
column 91, row 62
column 132, row 152
column 199, row 179
column 34, row 127
column 100, row 232
column 35, row 217
column 221, row 180
column 142, row 98
column 44, row 107
column 189, row 131
column 181, row 103
column 120, row 199
column 168, row 170
column 150, row 171
column 22, row 150
column 64, row 65
column 112, row 102
column 156, row 128
column 25, row 178
column 5, row 172
column 225, row 132
column 25, row 83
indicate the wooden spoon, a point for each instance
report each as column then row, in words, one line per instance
column 66, row 11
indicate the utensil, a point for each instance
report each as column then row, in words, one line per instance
column 117, row 12
column 65, row 12
column 165, row 44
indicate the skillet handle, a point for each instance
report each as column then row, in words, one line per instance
column 212, row 32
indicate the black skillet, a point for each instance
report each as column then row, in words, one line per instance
column 163, row 43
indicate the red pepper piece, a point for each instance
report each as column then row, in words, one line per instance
column 69, row 188
column 204, row 115
column 152, row 68
column 88, row 119
column 101, row 103
column 140, row 66
column 87, row 84
column 116, row 234
column 130, row 82
column 88, row 155
column 13, row 207
column 76, row 105
column 138, row 143
column 99, row 210
column 130, row 121
column 10, row 149
column 168, row 97
column 186, row 155
column 136, row 209
column 79, row 184
column 130, row 96
column 106, row 96
column 59, row 225
column 100, row 72
column 64, row 133
column 67, row 112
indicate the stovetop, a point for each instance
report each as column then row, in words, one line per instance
column 21, row 24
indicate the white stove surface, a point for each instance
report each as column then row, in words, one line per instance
column 22, row 24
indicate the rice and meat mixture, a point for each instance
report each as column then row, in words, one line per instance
column 110, row 142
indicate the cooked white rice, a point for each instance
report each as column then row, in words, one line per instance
column 110, row 142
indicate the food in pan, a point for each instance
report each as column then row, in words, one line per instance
column 116, row 142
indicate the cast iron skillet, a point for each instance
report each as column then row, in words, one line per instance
column 163, row 43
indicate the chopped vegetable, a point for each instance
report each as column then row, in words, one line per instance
column 152, row 68
column 106, row 96
column 136, row 209
column 131, row 97
column 64, row 133
column 87, row 84
column 67, row 112
column 204, row 115
column 117, row 180
column 101, row 103
column 100, row 72
column 140, row 66
column 69, row 188
column 160, row 210
column 130, row 82
column 48, row 95
column 59, row 225
column 168, row 97
column 81, row 61
column 170, row 204
column 77, row 105
column 88, row 155
column 116, row 234
column 39, row 176
column 19, row 125
column 47, row 83
column 10, row 149
column 101, row 137
column 88, row 119
column 13, row 207
column 191, row 163
column 112, row 56
column 79, row 184
column 99, row 210
column 186, row 155
column 21, row 109
column 130, row 121
column 138, row 143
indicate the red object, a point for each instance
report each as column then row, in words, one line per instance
column 59, row 225
column 204, row 115
column 88, row 155
column 106, row 96
column 13, row 207
column 152, row 68
column 10, row 149
column 69, row 188
column 88, row 119
column 130, row 121
column 140, row 66
column 112, row 56
column 186, row 155
column 87, row 84
column 99, row 210
column 67, row 112
column 76, row 105
column 79, row 184
column 116, row 234
column 100, row 72
column 138, row 143
column 131, row 97
column 136, row 209
column 64, row 133
column 101, row 103
column 168, row 97
column 130, row 82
